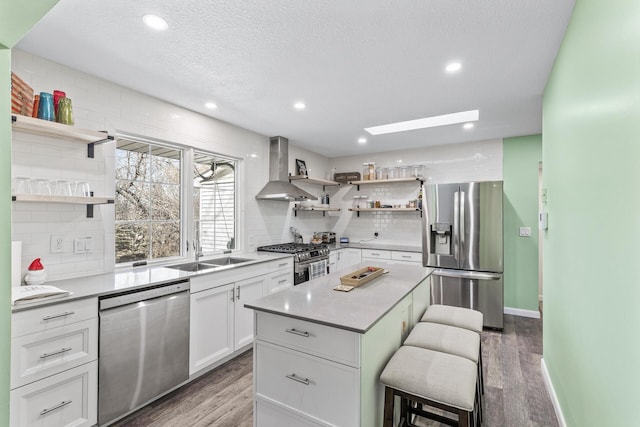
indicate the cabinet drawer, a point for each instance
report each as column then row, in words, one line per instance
column 39, row 355
column 406, row 256
column 313, row 386
column 270, row 415
column 319, row 340
column 66, row 399
column 51, row 316
column 372, row 253
column 281, row 264
column 280, row 281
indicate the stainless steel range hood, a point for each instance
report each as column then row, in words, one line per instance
column 279, row 188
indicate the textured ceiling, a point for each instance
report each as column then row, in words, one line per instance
column 355, row 63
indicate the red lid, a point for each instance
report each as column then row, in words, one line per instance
column 36, row 265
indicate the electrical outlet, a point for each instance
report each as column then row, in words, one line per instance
column 83, row 245
column 525, row 231
column 56, row 245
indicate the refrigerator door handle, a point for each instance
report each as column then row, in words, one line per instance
column 455, row 239
column 466, row 274
column 463, row 243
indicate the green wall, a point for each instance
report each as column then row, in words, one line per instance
column 520, row 159
column 591, row 155
column 16, row 18
column 5, row 232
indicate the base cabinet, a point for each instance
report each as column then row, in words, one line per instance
column 211, row 327
column 69, row 398
column 220, row 324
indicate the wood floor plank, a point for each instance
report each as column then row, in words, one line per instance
column 515, row 395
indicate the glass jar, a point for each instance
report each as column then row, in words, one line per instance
column 403, row 172
column 365, row 171
column 417, row 170
column 392, row 173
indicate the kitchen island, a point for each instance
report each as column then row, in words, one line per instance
column 318, row 352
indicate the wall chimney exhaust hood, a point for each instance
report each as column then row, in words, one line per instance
column 279, row 188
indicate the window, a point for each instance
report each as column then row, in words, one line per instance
column 148, row 195
column 214, row 202
column 167, row 196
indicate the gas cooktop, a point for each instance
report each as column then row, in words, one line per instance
column 292, row 248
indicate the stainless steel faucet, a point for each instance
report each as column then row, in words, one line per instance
column 197, row 248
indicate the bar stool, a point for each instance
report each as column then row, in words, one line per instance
column 459, row 317
column 433, row 379
column 451, row 340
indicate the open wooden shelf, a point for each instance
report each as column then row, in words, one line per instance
column 58, row 130
column 323, row 182
column 387, row 181
column 297, row 209
column 358, row 210
column 88, row 201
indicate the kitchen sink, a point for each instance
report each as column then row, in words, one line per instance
column 192, row 267
column 229, row 260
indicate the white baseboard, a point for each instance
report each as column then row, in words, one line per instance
column 522, row 313
column 552, row 394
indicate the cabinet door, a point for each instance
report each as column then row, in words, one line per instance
column 246, row 291
column 211, row 334
column 348, row 257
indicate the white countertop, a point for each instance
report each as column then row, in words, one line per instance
column 357, row 310
column 138, row 277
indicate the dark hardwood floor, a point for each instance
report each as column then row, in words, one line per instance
column 515, row 395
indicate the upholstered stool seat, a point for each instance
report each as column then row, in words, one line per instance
column 454, row 316
column 447, row 339
column 433, row 379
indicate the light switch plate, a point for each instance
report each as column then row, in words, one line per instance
column 525, row 231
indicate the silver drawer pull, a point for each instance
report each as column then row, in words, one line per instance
column 406, row 256
column 282, row 265
column 53, row 408
column 301, row 333
column 375, row 254
column 62, row 350
column 293, row 377
column 282, row 281
column 55, row 316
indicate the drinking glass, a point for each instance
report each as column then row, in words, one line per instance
column 62, row 188
column 83, row 189
column 21, row 185
column 42, row 187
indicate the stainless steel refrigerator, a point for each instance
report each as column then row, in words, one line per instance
column 462, row 241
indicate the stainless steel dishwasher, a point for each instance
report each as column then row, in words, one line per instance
column 144, row 347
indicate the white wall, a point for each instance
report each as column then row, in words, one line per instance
column 474, row 161
column 102, row 105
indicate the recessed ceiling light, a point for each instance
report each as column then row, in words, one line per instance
column 252, row 155
column 453, row 67
column 362, row 140
column 299, row 106
column 468, row 125
column 155, row 22
column 211, row 105
column 427, row 122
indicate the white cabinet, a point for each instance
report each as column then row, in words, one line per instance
column 376, row 254
column 69, row 398
column 211, row 326
column 246, row 291
column 54, row 351
column 220, row 324
column 348, row 257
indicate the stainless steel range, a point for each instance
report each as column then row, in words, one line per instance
column 309, row 261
